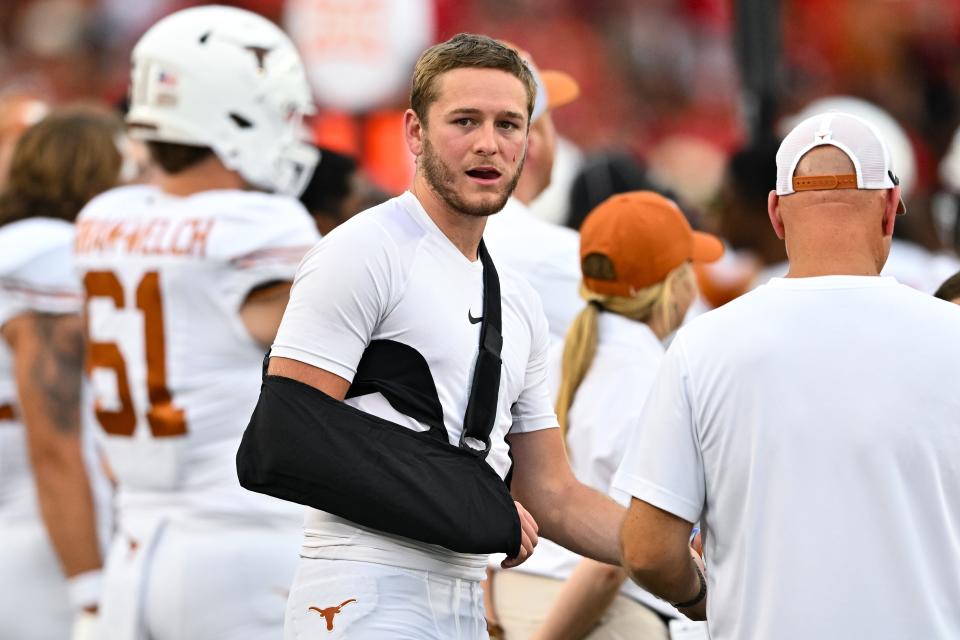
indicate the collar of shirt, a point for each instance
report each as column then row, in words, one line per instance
column 832, row 282
column 616, row 329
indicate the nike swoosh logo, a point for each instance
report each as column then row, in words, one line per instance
column 472, row 319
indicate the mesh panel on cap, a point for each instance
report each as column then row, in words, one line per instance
column 854, row 136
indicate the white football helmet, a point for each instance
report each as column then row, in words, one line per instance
column 230, row 80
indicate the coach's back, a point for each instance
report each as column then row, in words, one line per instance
column 830, row 437
column 813, row 425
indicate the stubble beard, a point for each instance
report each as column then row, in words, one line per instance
column 441, row 180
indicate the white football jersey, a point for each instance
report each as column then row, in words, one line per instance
column 175, row 374
column 35, row 275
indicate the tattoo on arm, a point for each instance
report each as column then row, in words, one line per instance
column 58, row 366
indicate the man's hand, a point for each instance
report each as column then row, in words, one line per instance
column 699, row 611
column 528, row 538
column 696, row 546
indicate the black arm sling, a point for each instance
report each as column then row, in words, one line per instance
column 303, row 446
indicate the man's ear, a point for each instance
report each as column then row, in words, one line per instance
column 414, row 132
column 773, row 211
column 891, row 202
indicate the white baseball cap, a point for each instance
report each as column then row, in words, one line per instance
column 859, row 141
column 890, row 130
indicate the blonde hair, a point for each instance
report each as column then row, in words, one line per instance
column 580, row 345
column 465, row 50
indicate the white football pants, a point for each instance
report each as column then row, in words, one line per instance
column 34, row 602
column 197, row 581
column 334, row 599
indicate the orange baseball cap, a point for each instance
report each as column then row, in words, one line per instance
column 561, row 88
column 645, row 236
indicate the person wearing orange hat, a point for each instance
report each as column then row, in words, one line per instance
column 636, row 253
column 543, row 253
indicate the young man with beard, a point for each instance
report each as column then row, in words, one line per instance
column 397, row 295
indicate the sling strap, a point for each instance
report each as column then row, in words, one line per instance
column 481, row 412
column 402, row 376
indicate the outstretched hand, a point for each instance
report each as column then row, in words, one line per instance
column 528, row 538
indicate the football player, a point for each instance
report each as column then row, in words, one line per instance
column 185, row 281
column 48, row 522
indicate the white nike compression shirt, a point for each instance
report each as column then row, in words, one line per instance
column 391, row 274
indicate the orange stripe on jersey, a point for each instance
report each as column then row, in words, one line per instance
column 278, row 254
column 6, row 412
column 26, row 289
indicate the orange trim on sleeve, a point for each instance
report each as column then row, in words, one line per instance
column 276, row 254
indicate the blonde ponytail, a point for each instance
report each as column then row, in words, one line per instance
column 580, row 346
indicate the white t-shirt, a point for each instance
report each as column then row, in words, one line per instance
column 35, row 276
column 175, row 373
column 813, row 425
column 546, row 255
column 605, row 412
column 390, row 274
column 553, row 203
column 908, row 262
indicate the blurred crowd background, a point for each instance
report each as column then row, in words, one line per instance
column 665, row 96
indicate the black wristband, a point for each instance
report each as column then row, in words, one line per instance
column 700, row 596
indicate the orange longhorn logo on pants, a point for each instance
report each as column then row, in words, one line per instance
column 330, row 612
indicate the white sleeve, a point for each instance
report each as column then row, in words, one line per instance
column 45, row 283
column 259, row 243
column 533, row 410
column 663, row 465
column 341, row 293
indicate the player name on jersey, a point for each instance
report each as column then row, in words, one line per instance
column 150, row 236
